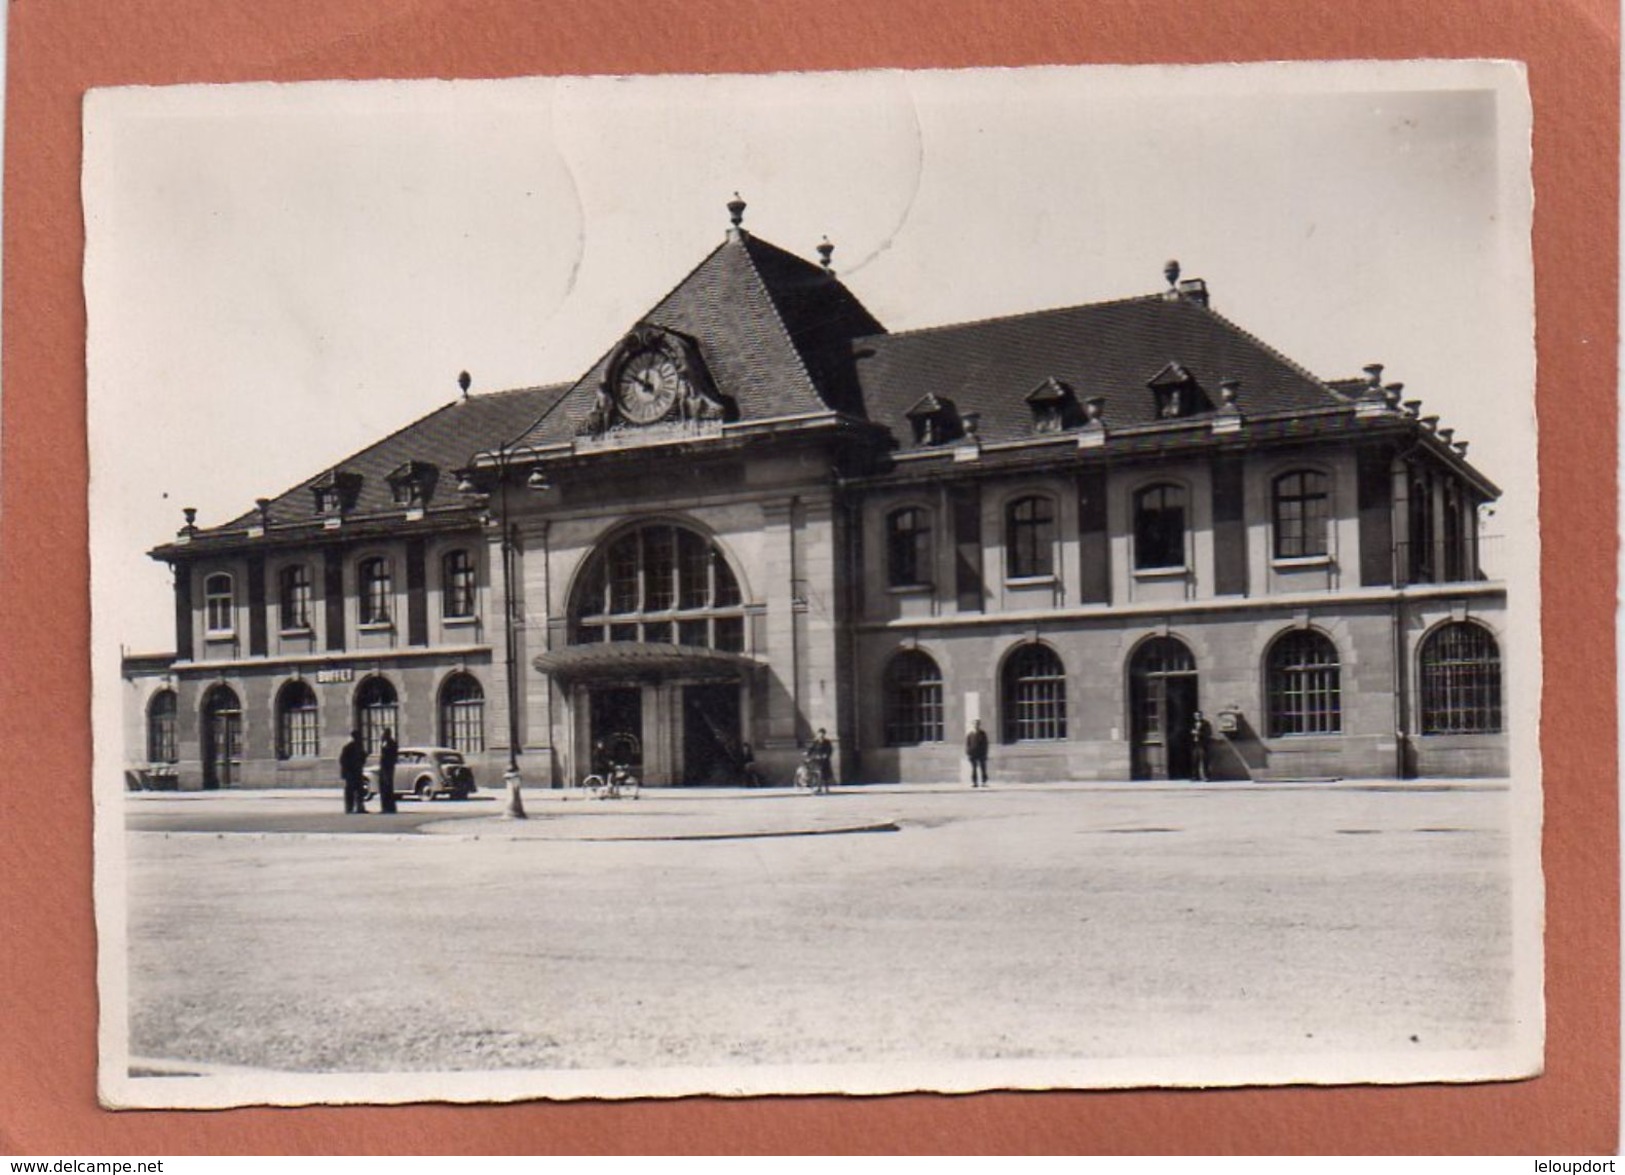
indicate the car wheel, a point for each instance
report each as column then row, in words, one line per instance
column 423, row 791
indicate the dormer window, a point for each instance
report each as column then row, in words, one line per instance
column 1054, row 406
column 935, row 420
column 412, row 483
column 336, row 492
column 1177, row 393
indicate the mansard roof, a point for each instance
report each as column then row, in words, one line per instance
column 1115, row 350
column 774, row 331
column 784, row 340
column 446, row 438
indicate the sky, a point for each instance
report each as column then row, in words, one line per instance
column 278, row 275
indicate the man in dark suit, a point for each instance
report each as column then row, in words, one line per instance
column 1201, row 746
column 976, row 752
column 388, row 753
column 352, row 765
column 820, row 756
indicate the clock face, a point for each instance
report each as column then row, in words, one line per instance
column 648, row 386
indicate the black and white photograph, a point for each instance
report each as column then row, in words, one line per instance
column 616, row 587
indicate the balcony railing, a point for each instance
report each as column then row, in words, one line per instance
column 1438, row 562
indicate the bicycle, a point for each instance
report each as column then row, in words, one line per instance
column 621, row 783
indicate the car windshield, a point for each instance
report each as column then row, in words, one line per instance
column 451, row 758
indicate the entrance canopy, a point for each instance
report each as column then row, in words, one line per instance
column 624, row 659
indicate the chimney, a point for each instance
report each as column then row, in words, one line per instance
column 1193, row 289
column 1373, row 374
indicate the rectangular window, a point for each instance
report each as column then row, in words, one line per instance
column 458, row 601
column 1302, row 514
column 297, row 597
column 219, row 611
column 1030, row 538
column 376, row 590
column 908, row 541
column 1159, row 528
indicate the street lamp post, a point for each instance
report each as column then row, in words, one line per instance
column 500, row 461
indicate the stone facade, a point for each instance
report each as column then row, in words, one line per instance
column 761, row 516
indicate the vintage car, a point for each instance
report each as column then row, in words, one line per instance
column 427, row 772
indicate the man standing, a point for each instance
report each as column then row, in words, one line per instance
column 819, row 755
column 1201, row 744
column 388, row 752
column 352, row 763
column 976, row 752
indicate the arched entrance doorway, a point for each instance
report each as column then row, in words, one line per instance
column 222, row 737
column 656, row 665
column 1162, row 701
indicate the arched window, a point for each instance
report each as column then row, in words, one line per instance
column 298, row 723
column 219, row 611
column 659, row 584
column 377, row 590
column 1305, row 685
column 294, row 597
column 1034, row 695
column 908, row 547
column 457, row 585
column 376, row 710
column 913, row 700
column 1302, row 500
column 1159, row 527
column 462, row 714
column 1461, row 680
column 161, row 728
column 1029, row 537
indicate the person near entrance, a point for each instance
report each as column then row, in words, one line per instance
column 976, row 752
column 352, row 764
column 388, row 752
column 819, row 756
column 1201, row 746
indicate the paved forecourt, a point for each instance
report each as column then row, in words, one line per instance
column 773, row 927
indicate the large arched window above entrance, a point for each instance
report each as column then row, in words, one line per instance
column 462, row 714
column 913, row 698
column 1305, row 684
column 1034, row 695
column 161, row 728
column 298, row 722
column 659, row 584
column 1461, row 680
column 377, row 709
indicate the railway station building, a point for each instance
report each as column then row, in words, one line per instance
column 760, row 514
